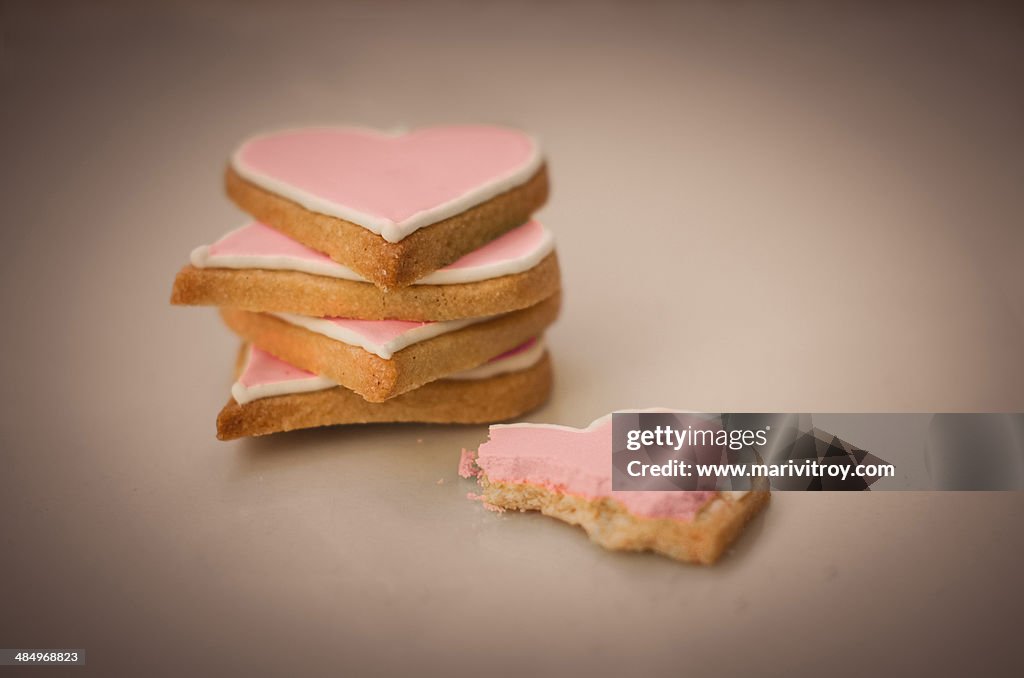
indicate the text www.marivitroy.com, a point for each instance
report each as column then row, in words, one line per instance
column 792, row 468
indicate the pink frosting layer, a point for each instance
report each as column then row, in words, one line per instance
column 577, row 462
column 262, row 368
column 391, row 177
column 378, row 332
column 525, row 346
column 256, row 239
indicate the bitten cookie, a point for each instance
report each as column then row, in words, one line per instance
column 392, row 207
column 380, row 359
column 257, row 268
column 271, row 396
column 566, row 473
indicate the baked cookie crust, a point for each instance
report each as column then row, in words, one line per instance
column 607, row 522
column 447, row 401
column 263, row 290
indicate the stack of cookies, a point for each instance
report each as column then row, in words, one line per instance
column 384, row 278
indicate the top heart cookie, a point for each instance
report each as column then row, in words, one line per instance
column 392, row 207
column 391, row 184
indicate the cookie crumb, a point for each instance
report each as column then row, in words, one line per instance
column 440, row 481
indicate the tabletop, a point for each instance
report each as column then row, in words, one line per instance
column 784, row 207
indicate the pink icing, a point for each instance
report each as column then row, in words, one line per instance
column 256, row 239
column 261, row 240
column 378, row 332
column 577, row 462
column 521, row 348
column 263, row 368
column 467, row 468
column 392, row 177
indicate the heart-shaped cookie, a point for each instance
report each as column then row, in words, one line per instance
column 390, row 184
column 566, row 473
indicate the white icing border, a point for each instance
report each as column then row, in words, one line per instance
column 387, row 349
column 202, row 258
column 246, row 394
column 386, row 228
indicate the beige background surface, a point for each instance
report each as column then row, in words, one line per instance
column 801, row 206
